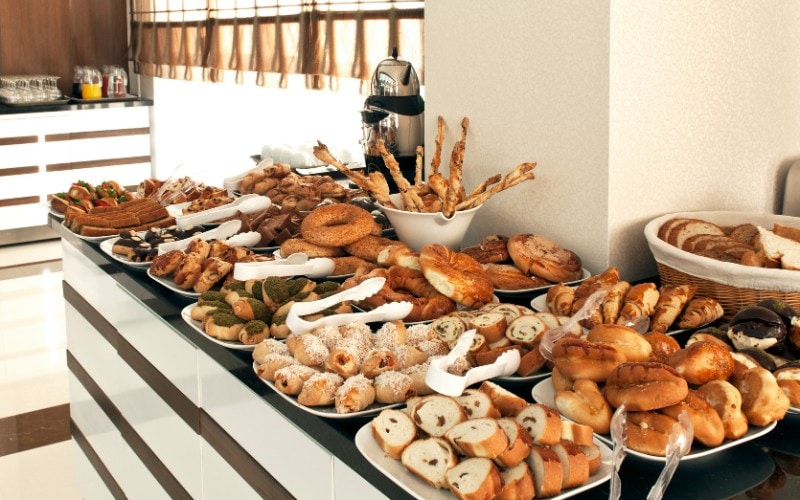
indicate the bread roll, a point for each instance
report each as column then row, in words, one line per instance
column 706, row 422
column 727, row 402
column 645, row 386
column 586, row 405
column 702, row 362
column 662, row 346
column 625, row 339
column 648, row 432
column 763, row 401
column 789, row 381
column 580, row 359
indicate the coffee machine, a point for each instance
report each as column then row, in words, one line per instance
column 393, row 112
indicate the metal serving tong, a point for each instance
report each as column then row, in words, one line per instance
column 297, row 264
column 387, row 312
column 552, row 336
column 449, row 384
column 246, row 204
column 680, row 442
column 618, row 436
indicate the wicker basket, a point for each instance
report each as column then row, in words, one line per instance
column 735, row 286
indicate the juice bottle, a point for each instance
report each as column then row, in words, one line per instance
column 77, row 82
column 91, row 87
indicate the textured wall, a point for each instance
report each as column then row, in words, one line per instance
column 632, row 109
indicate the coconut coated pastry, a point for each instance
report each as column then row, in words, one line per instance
column 645, row 386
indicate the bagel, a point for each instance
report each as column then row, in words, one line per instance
column 703, row 362
column 300, row 245
column 586, row 405
column 648, row 432
column 336, row 225
column 456, row 275
column 577, row 358
column 707, row 424
column 368, row 247
column 406, row 285
column 538, row 255
column 645, row 386
column 628, row 341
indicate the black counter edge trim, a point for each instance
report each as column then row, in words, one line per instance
column 160, row 384
column 94, row 459
column 241, row 461
column 138, row 445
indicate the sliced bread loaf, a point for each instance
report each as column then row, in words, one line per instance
column 435, row 414
column 478, row 437
column 474, row 479
column 393, row 430
column 542, row 422
column 547, row 471
column 430, row 459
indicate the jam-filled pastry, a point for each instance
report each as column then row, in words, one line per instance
column 188, row 271
column 214, row 270
column 272, row 363
column 378, row 361
column 166, row 263
column 393, row 387
column 290, row 379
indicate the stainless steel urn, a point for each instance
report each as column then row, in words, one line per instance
column 393, row 112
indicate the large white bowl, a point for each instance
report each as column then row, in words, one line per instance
column 417, row 229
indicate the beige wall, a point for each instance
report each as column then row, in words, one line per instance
column 631, row 109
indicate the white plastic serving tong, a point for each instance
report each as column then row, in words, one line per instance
column 449, row 384
column 297, row 264
column 552, row 336
column 246, row 204
column 221, row 232
column 387, row 312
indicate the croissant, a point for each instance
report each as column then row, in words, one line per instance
column 614, row 300
column 639, row 301
column 700, row 311
column 593, row 283
column 671, row 301
column 320, row 389
column 290, row 378
column 559, row 299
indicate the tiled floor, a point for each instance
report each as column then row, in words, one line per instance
column 33, row 376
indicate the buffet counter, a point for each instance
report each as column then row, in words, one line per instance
column 46, row 147
column 160, row 411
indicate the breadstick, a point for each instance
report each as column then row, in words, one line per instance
column 418, row 166
column 521, row 173
column 454, row 188
column 438, row 184
column 411, row 200
column 483, row 185
column 437, row 153
column 322, row 153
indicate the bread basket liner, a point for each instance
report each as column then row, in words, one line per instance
column 726, row 273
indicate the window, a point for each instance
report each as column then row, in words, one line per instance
column 321, row 39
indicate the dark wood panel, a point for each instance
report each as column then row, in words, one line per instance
column 52, row 36
column 34, row 429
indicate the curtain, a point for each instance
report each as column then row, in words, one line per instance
column 324, row 40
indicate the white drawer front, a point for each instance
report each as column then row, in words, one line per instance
column 280, row 447
column 220, row 480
